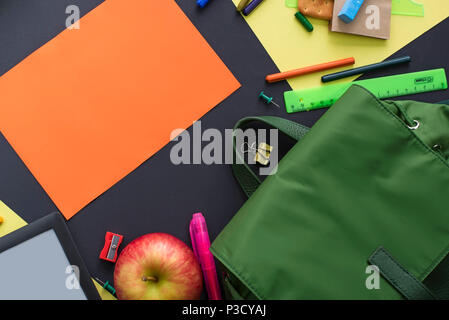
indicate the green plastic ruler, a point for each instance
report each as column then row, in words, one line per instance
column 385, row 87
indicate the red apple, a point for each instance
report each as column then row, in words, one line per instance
column 157, row 266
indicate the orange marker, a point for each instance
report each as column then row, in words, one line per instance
column 319, row 67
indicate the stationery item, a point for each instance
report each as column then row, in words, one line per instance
column 46, row 249
column 291, row 3
column 11, row 221
column 111, row 245
column 251, row 6
column 201, row 243
column 310, row 69
column 349, row 10
column 92, row 112
column 384, row 87
column 373, row 19
column 407, row 8
column 263, row 153
column 360, row 178
column 320, row 9
column 289, row 43
column 304, row 21
column 106, row 285
column 267, row 99
column 242, row 4
column 365, row 69
column 104, row 294
column 202, row 3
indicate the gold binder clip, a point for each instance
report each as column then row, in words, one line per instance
column 263, row 153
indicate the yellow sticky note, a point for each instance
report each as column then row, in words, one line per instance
column 12, row 222
column 291, row 46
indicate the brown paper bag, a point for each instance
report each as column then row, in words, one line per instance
column 372, row 20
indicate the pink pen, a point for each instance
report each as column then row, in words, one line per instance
column 201, row 245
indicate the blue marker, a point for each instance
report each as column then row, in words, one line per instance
column 350, row 10
column 252, row 5
column 202, row 3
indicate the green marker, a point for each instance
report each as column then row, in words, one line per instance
column 106, row 286
column 304, row 21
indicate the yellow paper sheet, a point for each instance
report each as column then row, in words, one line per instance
column 291, row 46
column 13, row 222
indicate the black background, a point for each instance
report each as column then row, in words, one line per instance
column 158, row 196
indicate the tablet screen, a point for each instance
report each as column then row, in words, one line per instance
column 38, row 268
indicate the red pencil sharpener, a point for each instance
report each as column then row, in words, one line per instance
column 111, row 243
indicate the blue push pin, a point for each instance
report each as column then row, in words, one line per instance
column 267, row 99
column 202, row 3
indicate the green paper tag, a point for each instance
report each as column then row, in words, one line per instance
column 406, row 8
column 291, row 3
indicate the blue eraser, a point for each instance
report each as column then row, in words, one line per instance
column 202, row 3
column 349, row 10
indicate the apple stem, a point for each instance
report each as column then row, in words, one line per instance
column 149, row 278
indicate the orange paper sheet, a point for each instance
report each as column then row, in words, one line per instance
column 91, row 105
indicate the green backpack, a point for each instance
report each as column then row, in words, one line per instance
column 365, row 191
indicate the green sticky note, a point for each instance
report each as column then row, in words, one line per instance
column 291, row 3
column 406, row 8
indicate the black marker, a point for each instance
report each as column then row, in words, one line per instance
column 364, row 69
